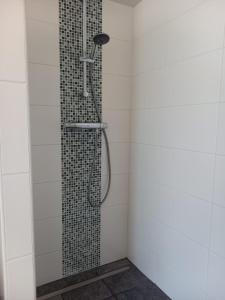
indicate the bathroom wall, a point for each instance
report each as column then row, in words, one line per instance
column 44, row 94
column 16, row 233
column 117, row 63
column 177, row 207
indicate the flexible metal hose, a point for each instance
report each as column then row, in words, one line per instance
column 94, row 99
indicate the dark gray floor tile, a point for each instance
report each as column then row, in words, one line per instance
column 127, row 280
column 56, row 298
column 94, row 291
column 133, row 294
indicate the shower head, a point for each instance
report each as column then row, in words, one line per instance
column 101, row 39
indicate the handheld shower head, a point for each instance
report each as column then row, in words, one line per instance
column 99, row 40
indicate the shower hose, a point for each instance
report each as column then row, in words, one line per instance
column 108, row 159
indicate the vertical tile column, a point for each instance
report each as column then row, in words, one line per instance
column 81, row 222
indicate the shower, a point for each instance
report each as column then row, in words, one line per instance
column 99, row 40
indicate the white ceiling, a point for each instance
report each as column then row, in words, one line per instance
column 128, row 2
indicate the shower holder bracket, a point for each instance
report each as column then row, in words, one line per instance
column 87, row 60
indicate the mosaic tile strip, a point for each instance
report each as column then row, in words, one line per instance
column 81, row 222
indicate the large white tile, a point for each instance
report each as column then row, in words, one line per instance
column 17, row 214
column 119, row 153
column 117, row 57
column 46, row 162
column 47, row 200
column 150, row 14
column 119, row 190
column 222, row 96
column 45, row 125
column 151, row 89
column 118, row 125
column 44, row 85
column 12, row 32
column 43, row 43
column 198, row 31
column 123, row 27
column 43, row 10
column 174, row 284
column 175, row 208
column 116, row 92
column 20, row 279
column 196, row 80
column 48, row 235
column 218, row 225
column 191, row 172
column 150, row 51
column 221, row 130
column 192, row 127
column 216, row 287
column 48, row 267
column 113, row 233
column 219, row 193
column 14, row 126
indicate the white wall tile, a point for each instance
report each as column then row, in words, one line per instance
column 46, row 162
column 192, row 127
column 119, row 190
column 47, row 200
column 12, row 32
column 20, row 279
column 43, row 43
column 218, row 225
column 119, row 158
column 221, row 128
column 117, row 57
column 113, row 233
column 44, row 85
column 116, row 92
column 48, row 235
column 150, row 14
column 187, row 171
column 219, row 193
column 43, row 10
column 45, row 125
column 198, row 31
column 118, row 125
column 150, row 52
column 14, row 126
column 175, row 208
column 48, row 267
column 196, row 80
column 123, row 27
column 216, row 287
column 17, row 213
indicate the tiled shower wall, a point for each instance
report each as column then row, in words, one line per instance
column 44, row 89
column 16, row 230
column 177, row 203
